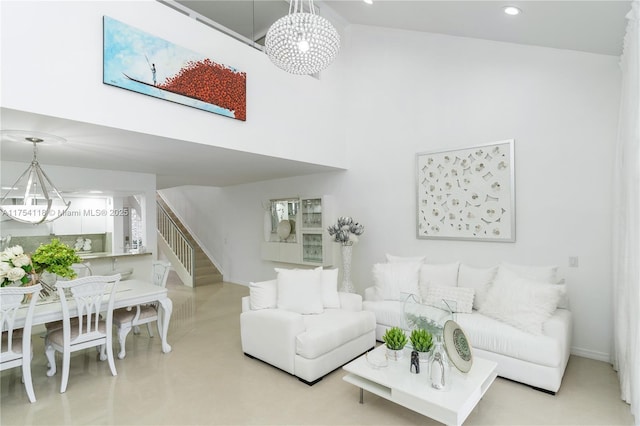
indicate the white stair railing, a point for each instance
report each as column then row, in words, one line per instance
column 176, row 241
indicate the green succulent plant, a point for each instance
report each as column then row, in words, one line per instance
column 421, row 340
column 395, row 338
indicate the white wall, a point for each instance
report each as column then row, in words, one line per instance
column 52, row 65
column 405, row 92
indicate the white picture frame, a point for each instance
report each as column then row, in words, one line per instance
column 467, row 194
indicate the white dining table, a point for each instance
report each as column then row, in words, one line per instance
column 128, row 293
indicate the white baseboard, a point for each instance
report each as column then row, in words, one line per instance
column 588, row 353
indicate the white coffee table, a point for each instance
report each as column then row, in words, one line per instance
column 413, row 391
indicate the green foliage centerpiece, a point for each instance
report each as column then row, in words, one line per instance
column 395, row 340
column 56, row 258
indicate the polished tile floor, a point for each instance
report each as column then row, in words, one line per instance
column 206, row 380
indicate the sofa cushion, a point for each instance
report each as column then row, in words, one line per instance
column 522, row 303
column 387, row 312
column 330, row 298
column 539, row 274
column 546, row 274
column 398, row 259
column 477, row 278
column 393, row 279
column 300, row 290
column 459, row 299
column 332, row 329
column 495, row 336
column 445, row 274
column 263, row 295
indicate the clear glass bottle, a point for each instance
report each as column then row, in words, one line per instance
column 439, row 367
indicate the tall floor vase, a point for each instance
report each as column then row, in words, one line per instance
column 347, row 285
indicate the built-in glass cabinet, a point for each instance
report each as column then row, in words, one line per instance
column 295, row 231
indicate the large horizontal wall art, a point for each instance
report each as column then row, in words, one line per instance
column 467, row 194
column 144, row 63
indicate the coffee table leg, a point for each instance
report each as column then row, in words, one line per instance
column 361, row 396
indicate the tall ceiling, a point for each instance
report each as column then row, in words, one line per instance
column 590, row 26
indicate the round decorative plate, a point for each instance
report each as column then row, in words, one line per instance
column 457, row 346
column 284, row 229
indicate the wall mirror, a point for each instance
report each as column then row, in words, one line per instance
column 283, row 219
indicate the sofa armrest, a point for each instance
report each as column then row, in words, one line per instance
column 350, row 301
column 246, row 304
column 371, row 294
column 270, row 335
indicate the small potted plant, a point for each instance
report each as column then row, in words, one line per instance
column 395, row 340
column 422, row 342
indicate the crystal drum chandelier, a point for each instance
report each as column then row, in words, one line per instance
column 33, row 198
column 302, row 42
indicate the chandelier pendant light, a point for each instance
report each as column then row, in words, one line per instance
column 302, row 42
column 33, row 198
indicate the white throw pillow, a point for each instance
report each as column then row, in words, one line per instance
column 330, row 298
column 545, row 274
column 397, row 259
column 459, row 299
column 300, row 290
column 477, row 278
column 541, row 274
column 263, row 295
column 445, row 274
column 523, row 303
column 393, row 279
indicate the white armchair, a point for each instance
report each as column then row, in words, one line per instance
column 283, row 332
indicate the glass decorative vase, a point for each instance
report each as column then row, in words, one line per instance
column 439, row 367
column 347, row 285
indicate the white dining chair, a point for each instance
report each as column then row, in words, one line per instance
column 88, row 329
column 16, row 348
column 124, row 319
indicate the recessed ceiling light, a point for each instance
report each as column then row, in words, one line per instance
column 511, row 10
column 368, row 1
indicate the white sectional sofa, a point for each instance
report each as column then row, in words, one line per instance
column 517, row 316
column 301, row 324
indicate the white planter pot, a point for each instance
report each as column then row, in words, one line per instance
column 395, row 355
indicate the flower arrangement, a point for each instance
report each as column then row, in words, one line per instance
column 56, row 258
column 15, row 267
column 345, row 231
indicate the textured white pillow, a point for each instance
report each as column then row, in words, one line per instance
column 397, row 259
column 263, row 295
column 300, row 290
column 477, row 278
column 330, row 298
column 545, row 274
column 445, row 274
column 523, row 303
column 462, row 298
column 392, row 279
column 542, row 274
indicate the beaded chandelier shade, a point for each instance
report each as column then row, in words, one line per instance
column 302, row 42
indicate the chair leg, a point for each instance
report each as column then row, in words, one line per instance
column 66, row 361
column 136, row 329
column 26, row 378
column 103, row 352
column 123, row 331
column 109, row 348
column 149, row 329
column 50, row 352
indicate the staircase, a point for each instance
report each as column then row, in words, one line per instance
column 190, row 262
